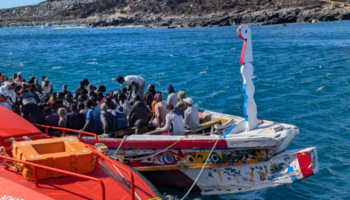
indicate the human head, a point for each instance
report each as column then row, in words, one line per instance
column 169, row 107
column 64, row 87
column 189, row 101
column 43, row 78
column 32, row 88
column 19, row 75
column 181, row 95
column 122, row 97
column 120, row 79
column 81, row 106
column 89, row 103
column 137, row 98
column 59, row 95
column 86, row 81
column 68, row 97
column 82, row 98
column 36, row 81
column 123, row 90
column 101, row 88
column 46, row 81
column 73, row 107
column 31, row 80
column 14, row 76
column 150, row 87
column 158, row 97
column 170, row 89
column 46, row 110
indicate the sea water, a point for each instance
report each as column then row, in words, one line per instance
column 301, row 77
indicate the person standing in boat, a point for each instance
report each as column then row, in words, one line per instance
column 136, row 81
column 191, row 119
column 174, row 122
column 172, row 99
column 92, row 120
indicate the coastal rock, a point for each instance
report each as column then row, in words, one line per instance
column 188, row 13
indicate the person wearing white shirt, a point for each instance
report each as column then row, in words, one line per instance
column 174, row 122
column 136, row 81
column 191, row 118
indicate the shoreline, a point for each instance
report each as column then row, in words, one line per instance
column 90, row 15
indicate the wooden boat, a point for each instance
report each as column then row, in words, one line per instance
column 29, row 163
column 227, row 154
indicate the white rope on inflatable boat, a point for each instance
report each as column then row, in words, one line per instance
column 206, row 161
column 164, row 150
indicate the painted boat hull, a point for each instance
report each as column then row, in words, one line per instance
column 285, row 168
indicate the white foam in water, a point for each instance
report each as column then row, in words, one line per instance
column 320, row 89
column 59, row 67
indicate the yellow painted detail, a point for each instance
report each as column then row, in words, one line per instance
column 155, row 198
column 198, row 166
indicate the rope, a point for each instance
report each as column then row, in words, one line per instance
column 206, row 161
column 115, row 153
column 164, row 150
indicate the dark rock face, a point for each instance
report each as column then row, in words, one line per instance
column 169, row 13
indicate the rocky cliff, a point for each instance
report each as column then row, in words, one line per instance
column 189, row 13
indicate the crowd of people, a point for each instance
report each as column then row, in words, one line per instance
column 93, row 109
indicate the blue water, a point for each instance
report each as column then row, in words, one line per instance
column 301, row 77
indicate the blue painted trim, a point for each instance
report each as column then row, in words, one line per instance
column 228, row 131
column 245, row 102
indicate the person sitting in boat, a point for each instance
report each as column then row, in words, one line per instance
column 47, row 89
column 7, row 91
column 174, row 122
column 191, row 119
column 150, row 90
column 119, row 120
column 68, row 100
column 137, row 81
column 172, row 99
column 75, row 120
column 51, row 119
column 82, row 110
column 106, row 119
column 138, row 116
column 124, row 103
column 19, row 78
column 181, row 106
column 92, row 120
column 62, row 120
column 160, row 110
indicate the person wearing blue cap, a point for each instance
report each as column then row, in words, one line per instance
column 172, row 99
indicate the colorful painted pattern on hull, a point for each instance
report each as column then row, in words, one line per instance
column 192, row 159
column 285, row 168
